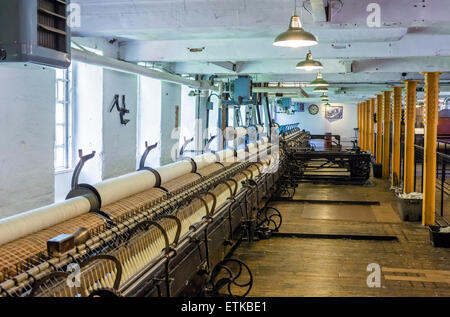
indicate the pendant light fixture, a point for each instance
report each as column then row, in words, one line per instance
column 309, row 63
column 321, row 89
column 319, row 81
column 295, row 36
column 324, row 98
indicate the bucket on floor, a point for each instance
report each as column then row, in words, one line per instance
column 439, row 239
column 377, row 170
column 410, row 209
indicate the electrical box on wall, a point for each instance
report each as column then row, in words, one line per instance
column 35, row 31
column 243, row 88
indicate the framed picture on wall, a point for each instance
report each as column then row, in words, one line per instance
column 334, row 112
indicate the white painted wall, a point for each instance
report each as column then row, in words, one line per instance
column 119, row 141
column 170, row 98
column 318, row 124
column 27, row 129
column 88, row 119
column 149, row 120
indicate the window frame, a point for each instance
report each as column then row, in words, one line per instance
column 66, row 102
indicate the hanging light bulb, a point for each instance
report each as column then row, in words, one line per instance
column 319, row 81
column 295, row 36
column 309, row 63
column 321, row 89
column 325, row 98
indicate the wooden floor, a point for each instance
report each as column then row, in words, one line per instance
column 292, row 266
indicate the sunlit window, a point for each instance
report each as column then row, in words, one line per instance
column 63, row 120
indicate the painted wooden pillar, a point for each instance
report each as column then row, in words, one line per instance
column 410, row 123
column 372, row 126
column 359, row 125
column 386, row 134
column 396, row 134
column 379, row 145
column 431, row 96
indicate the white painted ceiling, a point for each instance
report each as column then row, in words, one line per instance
column 414, row 37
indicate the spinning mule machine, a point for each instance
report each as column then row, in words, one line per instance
column 168, row 231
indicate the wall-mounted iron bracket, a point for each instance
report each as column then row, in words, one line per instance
column 208, row 144
column 84, row 190
column 185, row 144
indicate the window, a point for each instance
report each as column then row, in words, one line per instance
column 63, row 120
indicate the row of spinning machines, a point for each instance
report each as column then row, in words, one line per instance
column 168, row 231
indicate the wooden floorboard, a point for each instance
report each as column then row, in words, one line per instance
column 290, row 266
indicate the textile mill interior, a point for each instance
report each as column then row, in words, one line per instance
column 224, row 149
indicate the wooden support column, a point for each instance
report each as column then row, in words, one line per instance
column 379, row 145
column 431, row 96
column 372, row 126
column 410, row 123
column 362, row 145
column 359, row 125
column 364, row 126
column 396, row 134
column 367, row 105
column 386, row 133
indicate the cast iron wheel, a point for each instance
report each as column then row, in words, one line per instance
column 231, row 278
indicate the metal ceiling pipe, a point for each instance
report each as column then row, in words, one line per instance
column 121, row 66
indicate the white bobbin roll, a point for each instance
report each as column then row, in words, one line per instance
column 226, row 155
column 204, row 160
column 114, row 189
column 20, row 225
column 240, row 132
column 174, row 170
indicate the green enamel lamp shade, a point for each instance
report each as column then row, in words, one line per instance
column 295, row 36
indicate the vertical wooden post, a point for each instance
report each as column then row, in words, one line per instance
column 359, row 125
column 386, row 133
column 410, row 123
column 396, row 133
column 363, row 126
column 431, row 94
column 367, row 122
column 379, row 129
column 372, row 126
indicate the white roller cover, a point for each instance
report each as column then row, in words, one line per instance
column 252, row 148
column 241, row 154
column 174, row 170
column 20, row 225
column 126, row 185
column 226, row 155
column 240, row 132
column 204, row 160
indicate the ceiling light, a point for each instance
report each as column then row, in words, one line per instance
column 295, row 36
column 319, row 81
column 309, row 64
column 321, row 89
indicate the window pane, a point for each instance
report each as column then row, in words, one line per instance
column 59, row 158
column 59, row 136
column 60, row 113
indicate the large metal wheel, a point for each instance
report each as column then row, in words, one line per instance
column 231, row 278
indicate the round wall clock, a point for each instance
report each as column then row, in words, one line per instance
column 313, row 109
